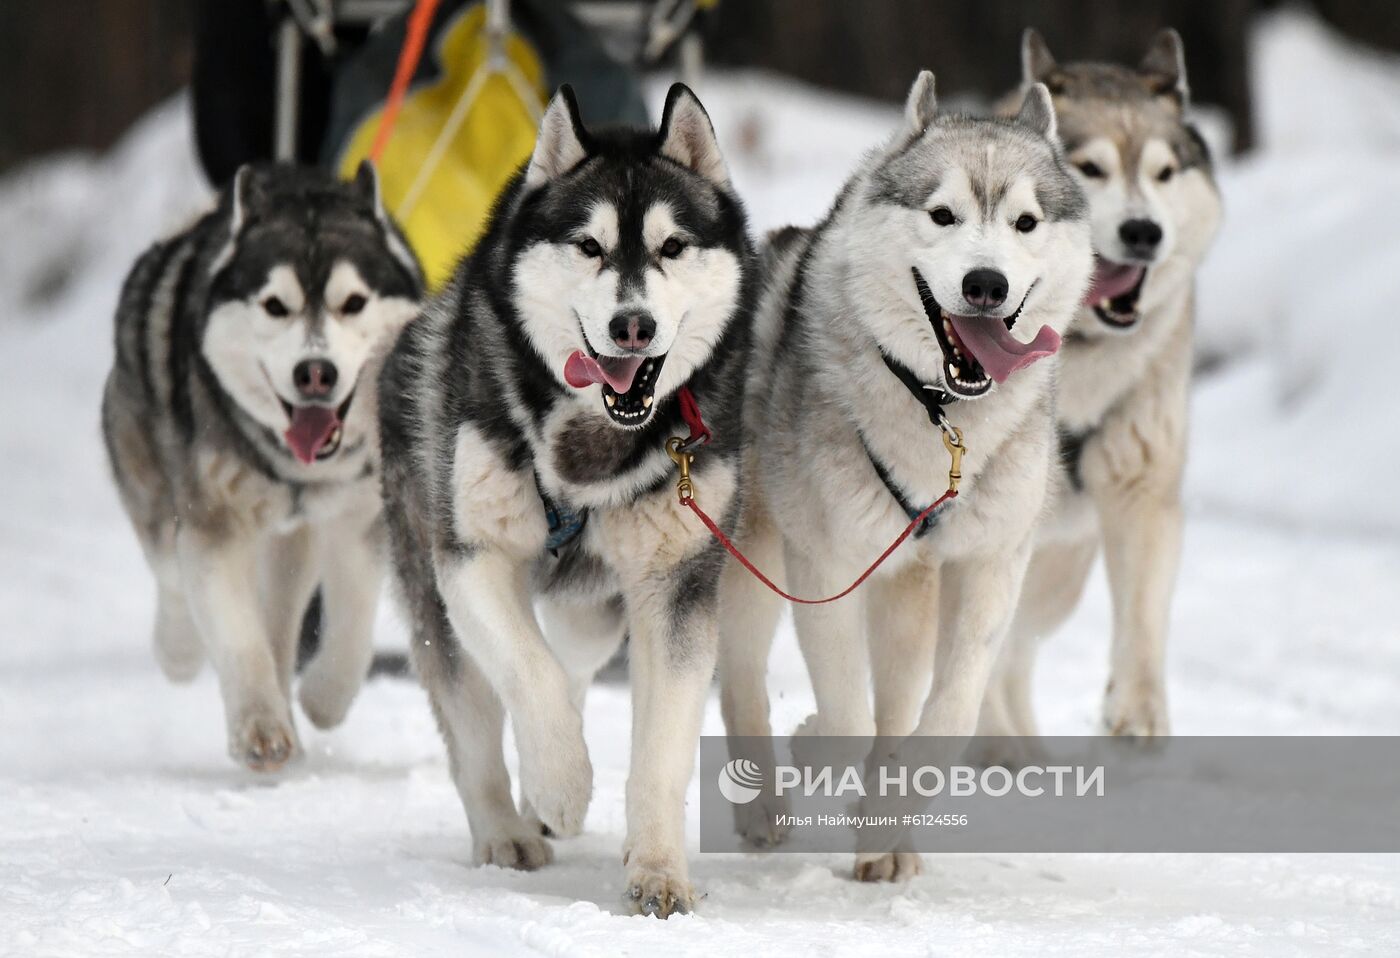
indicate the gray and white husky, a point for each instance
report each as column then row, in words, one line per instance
column 240, row 422
column 950, row 263
column 524, row 418
column 1124, row 371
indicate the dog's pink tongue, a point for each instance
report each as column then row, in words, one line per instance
column 581, row 371
column 1111, row 280
column 997, row 351
column 311, row 427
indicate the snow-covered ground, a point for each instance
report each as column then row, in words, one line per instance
column 124, row 830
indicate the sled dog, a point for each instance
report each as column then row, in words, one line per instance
column 239, row 419
column 949, row 264
column 1125, row 367
column 524, row 418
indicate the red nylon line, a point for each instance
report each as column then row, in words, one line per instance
column 744, row 560
column 690, row 412
column 415, row 36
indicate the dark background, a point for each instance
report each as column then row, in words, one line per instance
column 77, row 72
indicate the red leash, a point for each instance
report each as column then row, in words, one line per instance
column 679, row 451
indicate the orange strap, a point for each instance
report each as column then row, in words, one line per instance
column 415, row 38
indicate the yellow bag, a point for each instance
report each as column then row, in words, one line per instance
column 458, row 139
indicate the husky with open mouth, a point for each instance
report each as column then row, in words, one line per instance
column 934, row 292
column 1124, row 374
column 525, row 417
column 240, row 423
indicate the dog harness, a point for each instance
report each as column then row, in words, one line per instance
column 565, row 524
column 933, row 400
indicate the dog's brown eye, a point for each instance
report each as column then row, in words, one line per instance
column 353, row 305
column 590, row 248
column 275, row 307
column 1026, row 222
column 1165, row 175
column 943, row 216
column 672, row 248
column 1092, row 170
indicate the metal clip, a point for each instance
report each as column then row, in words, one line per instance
column 953, row 442
column 675, row 448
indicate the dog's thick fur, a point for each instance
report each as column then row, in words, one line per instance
column 826, row 415
column 238, row 531
column 483, row 433
column 1122, row 410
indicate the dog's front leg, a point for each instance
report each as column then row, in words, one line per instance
column 674, row 637
column 488, row 604
column 221, row 583
column 351, row 563
column 1142, row 547
column 1134, row 470
column 980, row 597
column 669, row 569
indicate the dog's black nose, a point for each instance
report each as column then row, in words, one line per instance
column 984, row 288
column 1140, row 236
column 632, row 329
column 314, row 378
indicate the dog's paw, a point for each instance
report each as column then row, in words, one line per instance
column 325, row 697
column 757, row 822
column 658, row 891
column 889, row 866
column 1013, row 752
column 178, row 652
column 1135, row 710
column 521, row 847
column 532, row 821
column 263, row 741
column 558, row 784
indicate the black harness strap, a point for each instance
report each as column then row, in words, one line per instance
column 910, row 510
column 933, row 400
column 1071, row 452
column 565, row 524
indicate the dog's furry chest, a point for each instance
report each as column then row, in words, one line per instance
column 1097, row 372
column 225, row 488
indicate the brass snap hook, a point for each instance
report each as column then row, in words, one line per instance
column 685, row 489
column 953, row 442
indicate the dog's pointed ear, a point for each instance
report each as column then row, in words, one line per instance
column 1164, row 66
column 1038, row 112
column 921, row 106
column 242, row 195
column 1037, row 63
column 562, row 143
column 688, row 137
column 367, row 185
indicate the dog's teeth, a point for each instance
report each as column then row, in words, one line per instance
column 956, row 371
column 646, row 402
column 1105, row 305
column 611, row 401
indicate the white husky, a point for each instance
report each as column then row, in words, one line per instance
column 1125, row 369
column 949, row 265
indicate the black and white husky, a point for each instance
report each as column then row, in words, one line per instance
column 240, row 423
column 1124, row 373
column 949, row 265
column 524, row 418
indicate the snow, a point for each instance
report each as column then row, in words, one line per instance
column 126, row 831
